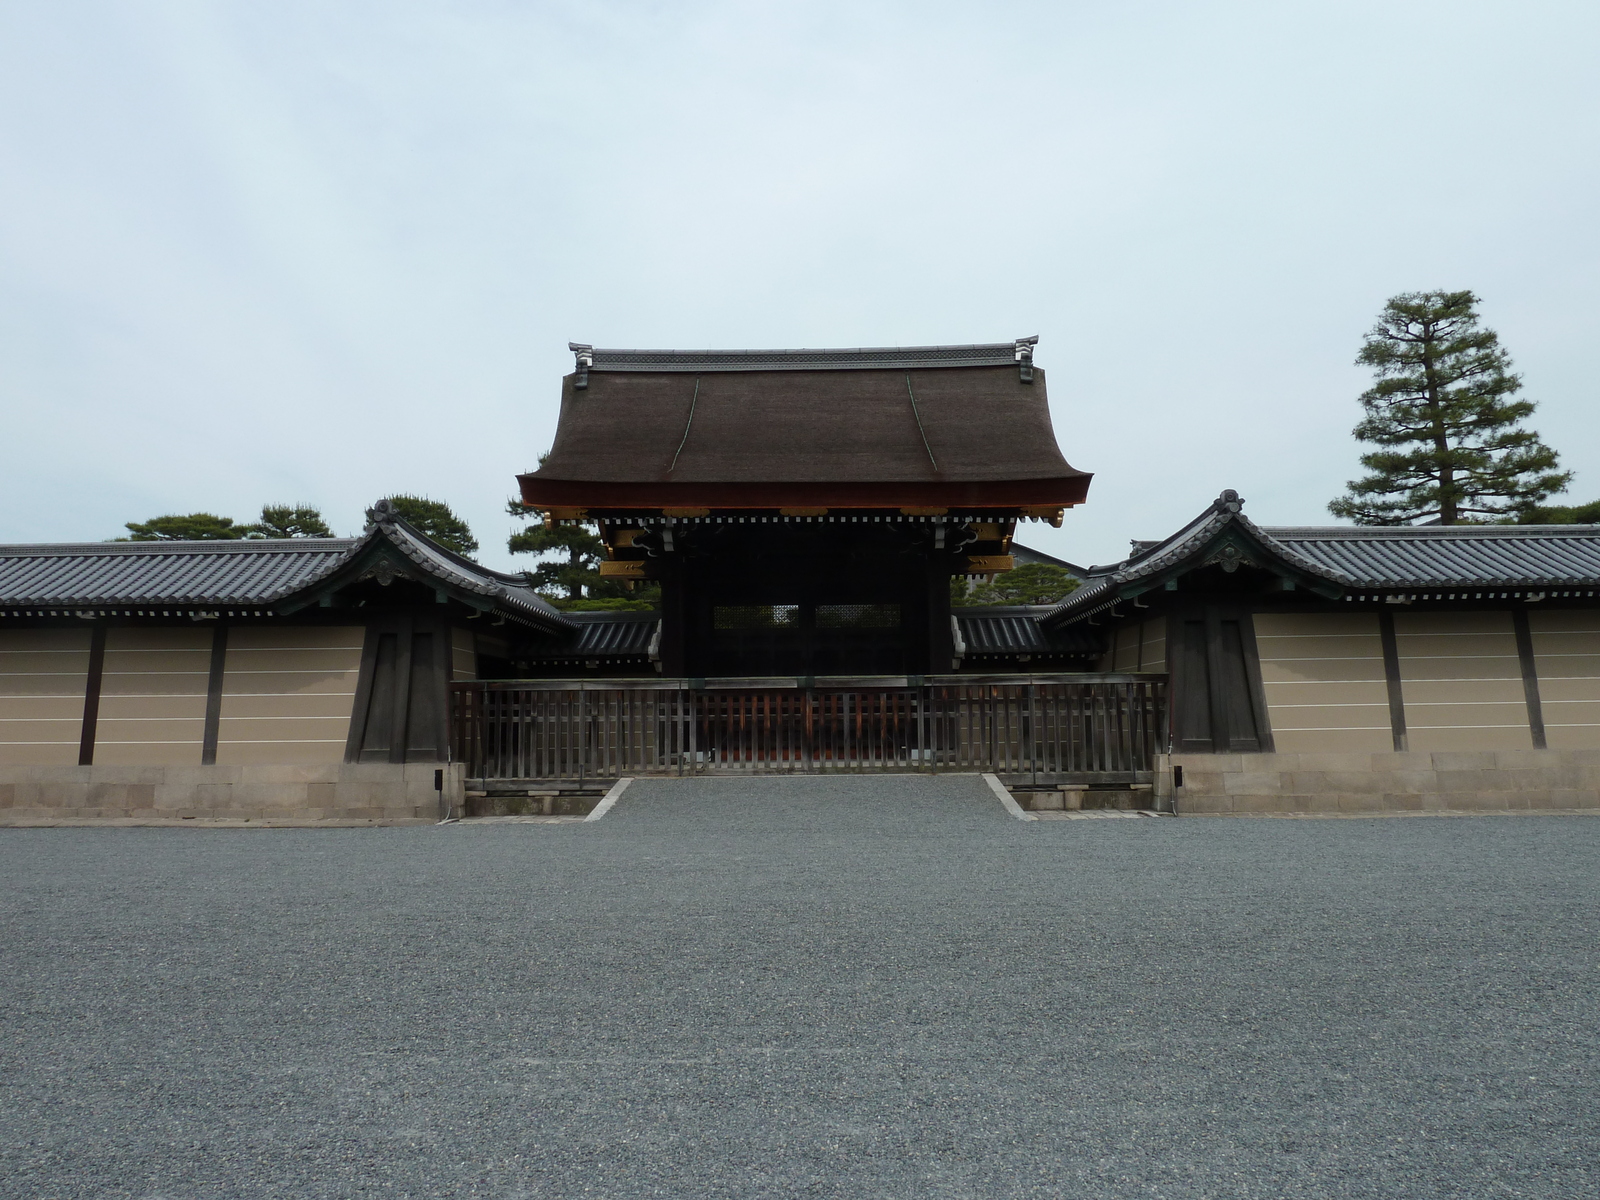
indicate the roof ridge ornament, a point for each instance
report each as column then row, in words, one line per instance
column 1228, row 502
column 585, row 359
column 382, row 513
column 1024, row 352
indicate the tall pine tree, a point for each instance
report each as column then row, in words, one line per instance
column 1442, row 414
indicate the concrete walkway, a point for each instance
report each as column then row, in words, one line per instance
column 847, row 987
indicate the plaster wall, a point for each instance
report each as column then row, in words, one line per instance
column 287, row 693
column 153, row 696
column 1462, row 681
column 43, row 674
column 463, row 654
column 1566, row 650
column 1324, row 681
column 1138, row 646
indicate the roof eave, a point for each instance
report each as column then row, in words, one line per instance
column 1064, row 491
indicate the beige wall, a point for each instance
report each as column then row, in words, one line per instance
column 1323, row 676
column 1566, row 651
column 1462, row 681
column 463, row 655
column 153, row 696
column 1139, row 646
column 43, row 674
column 1153, row 648
column 287, row 694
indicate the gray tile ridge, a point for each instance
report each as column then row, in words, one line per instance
column 207, row 546
column 863, row 357
column 1362, row 533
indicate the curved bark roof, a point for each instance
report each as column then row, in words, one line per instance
column 693, row 423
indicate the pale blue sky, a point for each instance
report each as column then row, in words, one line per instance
column 327, row 250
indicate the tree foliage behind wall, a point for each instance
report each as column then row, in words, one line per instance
column 277, row 521
column 1031, row 583
column 290, row 521
column 1561, row 514
column 569, row 575
column 436, row 519
column 191, row 527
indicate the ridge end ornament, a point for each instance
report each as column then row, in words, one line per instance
column 381, row 513
column 584, row 354
column 1023, row 348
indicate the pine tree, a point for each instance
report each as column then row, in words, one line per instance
column 1031, row 583
column 194, row 527
column 290, row 521
column 578, row 575
column 1442, row 415
column 436, row 519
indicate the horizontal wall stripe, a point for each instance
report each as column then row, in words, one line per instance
column 291, row 695
column 143, row 742
column 1311, row 658
column 1335, row 704
column 292, row 717
column 222, row 741
column 1410, row 704
column 1384, row 728
column 234, row 650
column 296, row 671
column 1512, row 725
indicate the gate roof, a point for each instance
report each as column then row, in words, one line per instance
column 932, row 426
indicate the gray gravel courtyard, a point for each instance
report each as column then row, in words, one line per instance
column 842, row 987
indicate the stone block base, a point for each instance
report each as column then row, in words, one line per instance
column 377, row 793
column 1363, row 782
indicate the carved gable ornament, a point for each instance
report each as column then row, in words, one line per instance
column 385, row 572
column 1228, row 557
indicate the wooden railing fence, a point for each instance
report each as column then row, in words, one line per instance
column 1045, row 729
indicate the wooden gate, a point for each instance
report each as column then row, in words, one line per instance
column 1089, row 728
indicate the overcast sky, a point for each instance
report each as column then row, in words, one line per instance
column 329, row 250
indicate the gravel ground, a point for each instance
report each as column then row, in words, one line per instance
column 841, row 987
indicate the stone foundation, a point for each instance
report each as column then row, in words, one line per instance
column 381, row 793
column 1423, row 781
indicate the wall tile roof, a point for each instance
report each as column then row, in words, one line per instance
column 1347, row 559
column 249, row 573
column 233, row 572
column 605, row 635
column 1016, row 630
column 1511, row 555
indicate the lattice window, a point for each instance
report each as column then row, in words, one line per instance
column 858, row 616
column 756, row 616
